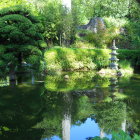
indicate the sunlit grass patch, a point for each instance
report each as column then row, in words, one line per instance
column 73, row 59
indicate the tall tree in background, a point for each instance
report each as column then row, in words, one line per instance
column 57, row 21
column 85, row 10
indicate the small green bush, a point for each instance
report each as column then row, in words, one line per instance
column 71, row 59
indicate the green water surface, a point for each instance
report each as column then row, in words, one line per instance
column 52, row 106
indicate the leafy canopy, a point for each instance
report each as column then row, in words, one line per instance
column 20, row 36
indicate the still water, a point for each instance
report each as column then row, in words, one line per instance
column 79, row 107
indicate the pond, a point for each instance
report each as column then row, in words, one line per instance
column 77, row 107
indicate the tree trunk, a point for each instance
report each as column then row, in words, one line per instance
column 66, row 122
column 33, row 78
column 12, row 75
column 20, row 62
column 123, row 127
column 102, row 133
column 66, row 125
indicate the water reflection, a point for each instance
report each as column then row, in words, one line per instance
column 81, row 107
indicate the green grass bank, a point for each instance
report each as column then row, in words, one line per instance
column 76, row 59
column 79, row 59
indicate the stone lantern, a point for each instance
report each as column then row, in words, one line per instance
column 114, row 59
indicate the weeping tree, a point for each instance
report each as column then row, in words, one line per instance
column 20, row 38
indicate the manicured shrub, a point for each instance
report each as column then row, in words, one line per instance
column 71, row 59
column 125, row 64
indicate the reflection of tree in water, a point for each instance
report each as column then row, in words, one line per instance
column 26, row 111
column 110, row 115
column 77, row 81
column 122, row 111
column 133, row 113
column 21, row 108
column 131, row 88
column 61, row 110
column 66, row 122
column 76, row 106
column 29, row 134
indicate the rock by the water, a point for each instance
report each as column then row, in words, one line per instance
column 66, row 77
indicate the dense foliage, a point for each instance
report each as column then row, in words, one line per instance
column 132, row 56
column 20, row 36
column 70, row 59
column 119, row 136
column 23, row 27
column 29, row 32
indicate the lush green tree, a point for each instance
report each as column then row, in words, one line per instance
column 60, row 25
column 52, row 21
column 57, row 23
column 88, row 9
column 20, row 38
column 131, row 38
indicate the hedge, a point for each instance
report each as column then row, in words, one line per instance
column 132, row 56
column 75, row 59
